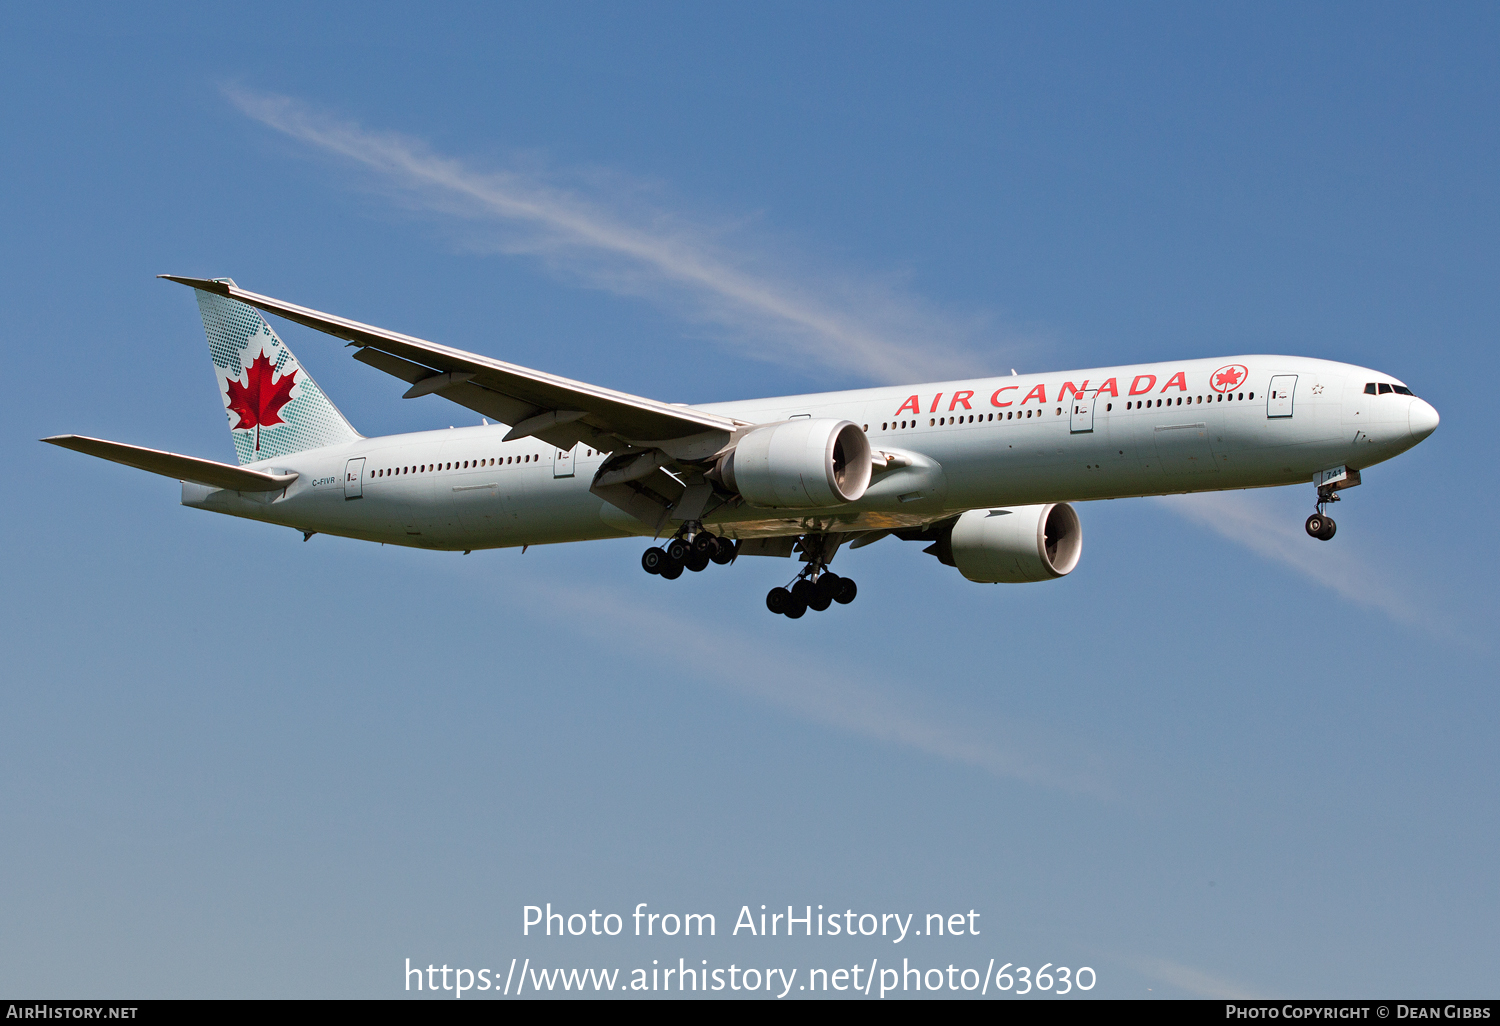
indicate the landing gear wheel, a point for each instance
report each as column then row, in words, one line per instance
column 677, row 551
column 705, row 544
column 847, row 591
column 724, row 554
column 778, row 600
column 1315, row 525
column 796, row 610
column 1329, row 527
column 672, row 571
column 697, row 561
column 804, row 592
column 652, row 560
column 828, row 585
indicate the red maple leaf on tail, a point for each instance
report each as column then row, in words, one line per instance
column 259, row 401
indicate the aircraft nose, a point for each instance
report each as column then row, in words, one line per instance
column 1421, row 419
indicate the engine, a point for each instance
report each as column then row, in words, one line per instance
column 1013, row 546
column 798, row 464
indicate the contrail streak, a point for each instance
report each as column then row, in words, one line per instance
column 876, row 336
column 1362, row 579
column 806, row 685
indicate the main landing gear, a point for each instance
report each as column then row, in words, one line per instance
column 693, row 553
column 816, row 590
column 816, row 587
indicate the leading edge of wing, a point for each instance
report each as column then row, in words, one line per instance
column 531, row 392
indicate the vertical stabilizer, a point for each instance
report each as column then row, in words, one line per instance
column 274, row 406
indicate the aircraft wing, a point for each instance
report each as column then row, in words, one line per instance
column 169, row 464
column 553, row 408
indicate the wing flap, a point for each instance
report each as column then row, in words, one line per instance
column 169, row 464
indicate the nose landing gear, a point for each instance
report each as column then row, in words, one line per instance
column 1321, row 526
column 1329, row 483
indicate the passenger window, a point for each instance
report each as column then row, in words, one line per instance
column 1385, row 389
column 1369, row 388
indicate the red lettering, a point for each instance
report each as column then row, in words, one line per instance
column 1110, row 387
column 935, row 402
column 1077, row 390
column 1179, row 379
column 995, row 399
column 1149, row 379
column 960, row 397
column 1040, row 392
column 910, row 404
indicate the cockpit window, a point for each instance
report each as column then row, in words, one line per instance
column 1384, row 388
column 1402, row 390
column 1369, row 388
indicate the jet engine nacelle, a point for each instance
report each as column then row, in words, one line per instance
column 798, row 464
column 1016, row 545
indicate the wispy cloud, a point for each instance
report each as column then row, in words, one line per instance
column 1194, row 981
column 869, row 329
column 810, row 686
column 1363, row 578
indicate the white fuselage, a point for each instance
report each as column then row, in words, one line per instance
column 1151, row 429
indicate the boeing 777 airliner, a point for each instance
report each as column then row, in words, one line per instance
column 983, row 469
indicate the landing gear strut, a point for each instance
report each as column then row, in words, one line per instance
column 1320, row 525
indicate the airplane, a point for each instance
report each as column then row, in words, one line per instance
column 985, row 470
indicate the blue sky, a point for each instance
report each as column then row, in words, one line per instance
column 1216, row 759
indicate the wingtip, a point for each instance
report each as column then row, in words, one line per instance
column 218, row 285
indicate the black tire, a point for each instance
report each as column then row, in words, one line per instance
column 1329, row 529
column 705, row 544
column 724, row 554
column 672, row 571
column 820, row 602
column 828, row 585
column 1315, row 525
column 795, row 610
column 847, row 590
column 804, row 592
column 677, row 551
column 778, row 600
column 697, row 562
column 652, row 560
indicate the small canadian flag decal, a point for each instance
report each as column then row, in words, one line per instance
column 258, row 401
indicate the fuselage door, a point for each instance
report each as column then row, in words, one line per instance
column 562, row 463
column 1279, row 398
column 354, row 479
column 1082, row 419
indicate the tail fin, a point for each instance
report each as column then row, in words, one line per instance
column 274, row 406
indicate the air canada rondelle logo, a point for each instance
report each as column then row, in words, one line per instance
column 1227, row 379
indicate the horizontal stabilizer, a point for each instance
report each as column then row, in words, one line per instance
column 169, row 464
